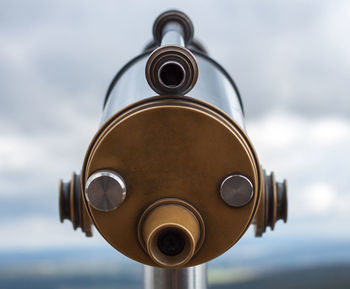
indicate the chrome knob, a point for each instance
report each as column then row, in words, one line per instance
column 105, row 190
column 236, row 190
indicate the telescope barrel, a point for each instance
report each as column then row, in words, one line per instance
column 172, row 69
column 171, row 178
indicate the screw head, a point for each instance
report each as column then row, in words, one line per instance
column 236, row 190
column 105, row 190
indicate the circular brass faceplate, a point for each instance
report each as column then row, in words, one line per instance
column 173, row 148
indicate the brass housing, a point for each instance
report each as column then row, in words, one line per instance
column 173, row 147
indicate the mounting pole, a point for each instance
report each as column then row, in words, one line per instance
column 182, row 278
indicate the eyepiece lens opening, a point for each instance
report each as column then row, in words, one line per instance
column 171, row 74
column 171, row 242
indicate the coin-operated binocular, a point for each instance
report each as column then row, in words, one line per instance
column 171, row 178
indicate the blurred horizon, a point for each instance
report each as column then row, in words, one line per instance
column 290, row 61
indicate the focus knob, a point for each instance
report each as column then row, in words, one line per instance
column 71, row 205
column 273, row 205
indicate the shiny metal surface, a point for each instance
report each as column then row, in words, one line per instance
column 236, row 190
column 105, row 190
column 183, row 278
column 173, row 35
column 212, row 87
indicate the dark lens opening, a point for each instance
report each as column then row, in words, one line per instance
column 171, row 242
column 171, row 74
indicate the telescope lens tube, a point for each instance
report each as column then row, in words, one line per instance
column 171, row 70
column 175, row 21
column 170, row 233
column 171, row 74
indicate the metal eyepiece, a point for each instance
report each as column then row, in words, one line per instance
column 171, row 74
column 171, row 232
column 171, row 70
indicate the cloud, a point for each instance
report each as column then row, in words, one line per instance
column 310, row 154
column 42, row 234
column 320, row 198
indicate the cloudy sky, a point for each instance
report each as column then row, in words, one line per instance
column 290, row 60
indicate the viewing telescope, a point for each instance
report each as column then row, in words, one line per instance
column 171, row 178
